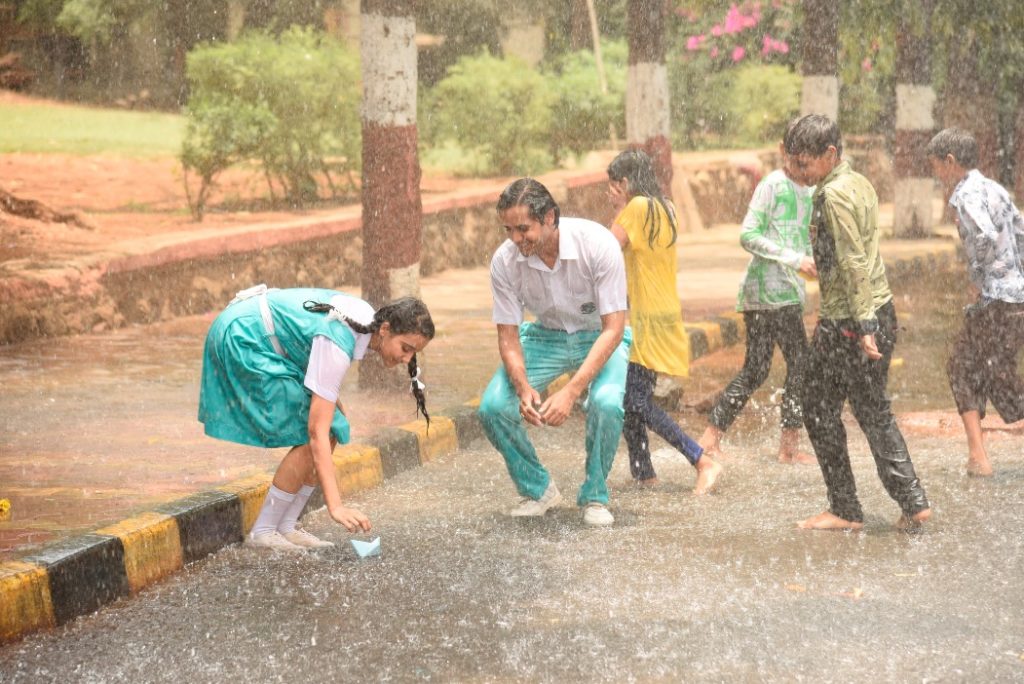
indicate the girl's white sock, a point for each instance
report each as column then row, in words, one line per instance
column 291, row 516
column 274, row 508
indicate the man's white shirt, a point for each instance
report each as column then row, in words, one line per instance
column 588, row 280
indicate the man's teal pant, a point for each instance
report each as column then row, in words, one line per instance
column 549, row 354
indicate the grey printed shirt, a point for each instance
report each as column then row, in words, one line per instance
column 992, row 231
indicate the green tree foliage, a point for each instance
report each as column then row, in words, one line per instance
column 581, row 115
column 463, row 27
column 761, row 99
column 498, row 107
column 292, row 103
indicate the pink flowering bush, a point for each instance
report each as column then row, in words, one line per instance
column 716, row 39
column 755, row 29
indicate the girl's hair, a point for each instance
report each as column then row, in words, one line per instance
column 404, row 316
column 636, row 168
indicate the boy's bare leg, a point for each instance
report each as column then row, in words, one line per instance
column 711, row 441
column 789, row 448
column 828, row 521
column 915, row 521
column 708, row 471
column 977, row 458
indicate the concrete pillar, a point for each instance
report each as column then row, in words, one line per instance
column 820, row 93
column 648, row 122
column 915, row 122
column 392, row 207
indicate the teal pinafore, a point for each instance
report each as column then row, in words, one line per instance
column 250, row 393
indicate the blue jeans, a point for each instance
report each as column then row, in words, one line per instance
column 642, row 413
column 549, row 354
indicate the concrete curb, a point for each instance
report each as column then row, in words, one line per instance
column 78, row 575
column 75, row 576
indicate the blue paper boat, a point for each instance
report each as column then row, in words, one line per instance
column 366, row 549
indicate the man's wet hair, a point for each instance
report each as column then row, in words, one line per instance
column 957, row 142
column 813, row 135
column 529, row 193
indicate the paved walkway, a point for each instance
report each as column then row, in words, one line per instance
column 97, row 427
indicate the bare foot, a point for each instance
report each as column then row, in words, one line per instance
column 789, row 449
column 649, row 482
column 979, row 466
column 915, row 521
column 828, row 521
column 708, row 471
column 711, row 441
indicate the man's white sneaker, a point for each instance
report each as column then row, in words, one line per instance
column 301, row 537
column 536, row 507
column 273, row 540
column 598, row 515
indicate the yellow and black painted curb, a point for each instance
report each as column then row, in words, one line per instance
column 52, row 585
column 76, row 576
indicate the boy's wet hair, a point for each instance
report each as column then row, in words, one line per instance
column 813, row 135
column 404, row 316
column 635, row 167
column 529, row 193
column 957, row 142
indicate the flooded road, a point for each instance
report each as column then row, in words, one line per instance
column 96, row 427
column 717, row 588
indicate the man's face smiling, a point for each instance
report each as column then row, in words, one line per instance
column 528, row 234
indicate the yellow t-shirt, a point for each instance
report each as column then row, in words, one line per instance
column 660, row 342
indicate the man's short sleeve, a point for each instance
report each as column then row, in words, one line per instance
column 609, row 272
column 508, row 306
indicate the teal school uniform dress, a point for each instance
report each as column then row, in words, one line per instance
column 253, row 394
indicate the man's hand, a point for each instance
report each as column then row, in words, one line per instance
column 559, row 405
column 867, row 345
column 530, row 407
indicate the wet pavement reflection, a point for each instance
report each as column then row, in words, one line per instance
column 714, row 588
column 722, row 587
column 96, row 427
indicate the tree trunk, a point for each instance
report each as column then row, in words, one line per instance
column 820, row 64
column 968, row 105
column 647, row 97
column 1018, row 145
column 579, row 25
column 915, row 121
column 34, row 209
column 392, row 207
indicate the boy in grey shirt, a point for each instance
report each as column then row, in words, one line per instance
column 983, row 363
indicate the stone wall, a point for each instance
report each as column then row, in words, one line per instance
column 201, row 275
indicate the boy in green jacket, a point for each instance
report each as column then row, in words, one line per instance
column 855, row 335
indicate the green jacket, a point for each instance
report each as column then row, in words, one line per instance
column 844, row 233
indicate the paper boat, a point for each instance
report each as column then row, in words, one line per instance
column 366, row 549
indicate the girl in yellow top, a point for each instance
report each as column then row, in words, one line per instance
column 646, row 229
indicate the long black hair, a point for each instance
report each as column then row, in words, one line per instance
column 636, row 168
column 404, row 316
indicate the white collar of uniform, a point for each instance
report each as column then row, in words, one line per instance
column 566, row 250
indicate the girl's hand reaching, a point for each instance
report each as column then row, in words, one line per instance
column 353, row 520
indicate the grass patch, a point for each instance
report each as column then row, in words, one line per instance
column 70, row 129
